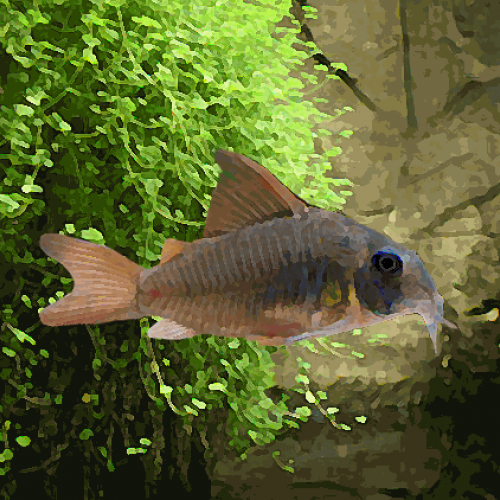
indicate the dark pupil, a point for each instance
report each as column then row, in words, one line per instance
column 387, row 263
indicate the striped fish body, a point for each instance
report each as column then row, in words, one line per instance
column 268, row 282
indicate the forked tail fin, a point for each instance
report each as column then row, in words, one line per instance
column 106, row 283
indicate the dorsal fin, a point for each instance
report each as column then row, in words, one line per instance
column 247, row 194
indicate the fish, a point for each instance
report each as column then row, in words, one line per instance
column 270, row 267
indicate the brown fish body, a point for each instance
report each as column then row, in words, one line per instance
column 277, row 276
column 270, row 269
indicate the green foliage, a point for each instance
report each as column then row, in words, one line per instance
column 111, row 112
column 236, row 373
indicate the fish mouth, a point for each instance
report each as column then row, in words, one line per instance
column 432, row 312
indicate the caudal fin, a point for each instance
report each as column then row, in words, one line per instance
column 106, row 283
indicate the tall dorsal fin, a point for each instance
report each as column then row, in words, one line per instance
column 247, row 194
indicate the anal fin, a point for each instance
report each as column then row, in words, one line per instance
column 170, row 330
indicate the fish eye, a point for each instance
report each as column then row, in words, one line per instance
column 387, row 263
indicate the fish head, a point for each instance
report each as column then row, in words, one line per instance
column 392, row 281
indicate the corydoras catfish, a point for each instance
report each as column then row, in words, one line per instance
column 270, row 268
